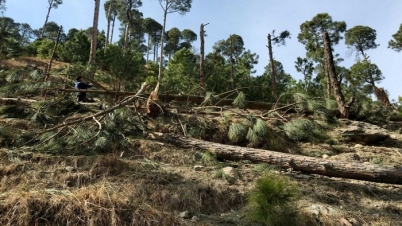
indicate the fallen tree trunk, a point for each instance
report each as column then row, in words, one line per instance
column 190, row 99
column 332, row 168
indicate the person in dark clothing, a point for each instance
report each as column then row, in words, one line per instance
column 79, row 84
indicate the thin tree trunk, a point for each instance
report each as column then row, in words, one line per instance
column 156, row 50
column 111, row 35
column 340, row 99
column 49, row 66
column 126, row 37
column 332, row 168
column 162, row 40
column 202, row 73
column 92, row 54
column 108, row 24
column 273, row 72
column 148, row 47
column 232, row 80
column 47, row 18
column 329, row 82
column 53, row 53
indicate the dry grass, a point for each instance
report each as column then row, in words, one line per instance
column 105, row 190
column 22, row 62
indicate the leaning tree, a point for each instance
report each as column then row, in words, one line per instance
column 311, row 36
column 360, row 39
column 52, row 4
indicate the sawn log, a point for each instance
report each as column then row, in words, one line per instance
column 305, row 164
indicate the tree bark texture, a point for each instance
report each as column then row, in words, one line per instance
column 49, row 67
column 329, row 61
column 232, row 75
column 109, row 11
column 92, row 54
column 202, row 74
column 162, row 39
column 47, row 18
column 305, row 164
column 272, row 68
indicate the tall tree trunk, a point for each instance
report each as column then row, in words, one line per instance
column 340, row 99
column 326, row 167
column 272, row 68
column 53, row 52
column 126, row 37
column 47, row 18
column 156, row 50
column 49, row 66
column 148, row 47
column 202, row 74
column 94, row 36
column 329, row 82
column 162, row 40
column 109, row 11
column 232, row 76
column 111, row 33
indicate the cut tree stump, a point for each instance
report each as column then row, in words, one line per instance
column 305, row 164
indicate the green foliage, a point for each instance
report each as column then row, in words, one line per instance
column 237, row 132
column 182, row 73
column 45, row 49
column 9, row 38
column 272, row 202
column 41, row 118
column 76, row 49
column 311, row 34
column 361, row 38
column 208, row 158
column 32, row 48
column 220, row 174
column 252, row 130
column 21, row 82
column 396, row 42
column 123, row 66
column 108, row 134
column 264, row 167
column 15, row 111
column 210, row 98
column 318, row 106
column 302, row 129
column 365, row 73
column 240, row 101
column 7, row 136
column 371, row 111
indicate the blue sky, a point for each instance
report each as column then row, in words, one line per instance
column 252, row 21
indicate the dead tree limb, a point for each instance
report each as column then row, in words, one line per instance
column 91, row 117
column 332, row 168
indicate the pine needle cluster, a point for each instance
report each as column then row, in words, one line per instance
column 304, row 130
column 320, row 107
column 252, row 129
column 22, row 82
column 111, row 134
column 240, row 101
column 271, row 201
